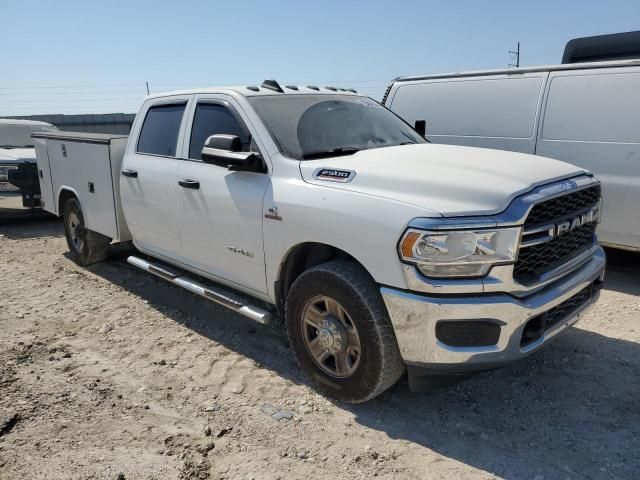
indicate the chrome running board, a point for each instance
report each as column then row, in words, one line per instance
column 210, row 292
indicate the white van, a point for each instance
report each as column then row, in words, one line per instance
column 587, row 114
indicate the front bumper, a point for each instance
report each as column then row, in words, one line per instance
column 414, row 318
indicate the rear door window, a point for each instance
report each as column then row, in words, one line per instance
column 211, row 119
column 160, row 130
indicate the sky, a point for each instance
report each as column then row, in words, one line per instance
column 96, row 56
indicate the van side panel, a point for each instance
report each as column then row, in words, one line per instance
column 499, row 111
column 591, row 118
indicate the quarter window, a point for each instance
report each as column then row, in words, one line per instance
column 596, row 108
column 159, row 134
column 211, row 119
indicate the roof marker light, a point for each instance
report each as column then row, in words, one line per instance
column 272, row 85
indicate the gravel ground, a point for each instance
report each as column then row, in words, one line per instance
column 109, row 373
column 11, row 208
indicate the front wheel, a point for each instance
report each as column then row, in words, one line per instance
column 340, row 332
column 86, row 246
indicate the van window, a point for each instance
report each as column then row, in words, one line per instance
column 159, row 134
column 601, row 107
column 211, row 119
column 497, row 107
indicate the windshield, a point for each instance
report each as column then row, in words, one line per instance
column 317, row 126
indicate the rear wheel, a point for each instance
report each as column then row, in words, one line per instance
column 86, row 246
column 340, row 332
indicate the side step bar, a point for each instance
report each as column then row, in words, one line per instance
column 210, row 292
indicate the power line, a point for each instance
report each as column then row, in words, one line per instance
column 101, row 97
column 104, row 85
column 68, row 100
column 197, row 84
column 42, row 94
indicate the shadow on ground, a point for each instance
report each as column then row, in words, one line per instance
column 623, row 271
column 30, row 226
column 556, row 414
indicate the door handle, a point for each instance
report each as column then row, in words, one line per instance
column 188, row 183
column 130, row 173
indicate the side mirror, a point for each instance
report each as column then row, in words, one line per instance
column 226, row 150
column 421, row 128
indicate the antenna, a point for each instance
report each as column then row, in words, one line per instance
column 515, row 56
column 147, row 87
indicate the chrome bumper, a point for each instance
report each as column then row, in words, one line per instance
column 414, row 318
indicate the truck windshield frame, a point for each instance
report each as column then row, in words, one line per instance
column 315, row 126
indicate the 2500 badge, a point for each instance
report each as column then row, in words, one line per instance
column 334, row 175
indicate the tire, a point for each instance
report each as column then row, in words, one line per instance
column 361, row 370
column 86, row 246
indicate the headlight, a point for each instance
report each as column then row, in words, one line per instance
column 459, row 253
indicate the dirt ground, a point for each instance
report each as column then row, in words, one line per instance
column 109, row 373
column 11, row 203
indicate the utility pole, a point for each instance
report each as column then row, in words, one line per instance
column 148, row 82
column 515, row 55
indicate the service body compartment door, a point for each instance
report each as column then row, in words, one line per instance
column 47, row 197
column 83, row 164
column 85, row 169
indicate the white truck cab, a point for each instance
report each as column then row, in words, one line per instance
column 379, row 250
column 19, row 185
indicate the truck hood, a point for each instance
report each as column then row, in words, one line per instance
column 445, row 179
column 17, row 155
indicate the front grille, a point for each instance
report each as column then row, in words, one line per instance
column 562, row 207
column 536, row 260
column 538, row 325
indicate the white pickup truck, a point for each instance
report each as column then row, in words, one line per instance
column 19, row 186
column 319, row 205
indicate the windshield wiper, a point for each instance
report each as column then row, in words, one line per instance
column 334, row 152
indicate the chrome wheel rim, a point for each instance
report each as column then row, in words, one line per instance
column 331, row 337
column 76, row 231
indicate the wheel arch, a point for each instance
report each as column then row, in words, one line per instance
column 302, row 257
column 64, row 194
